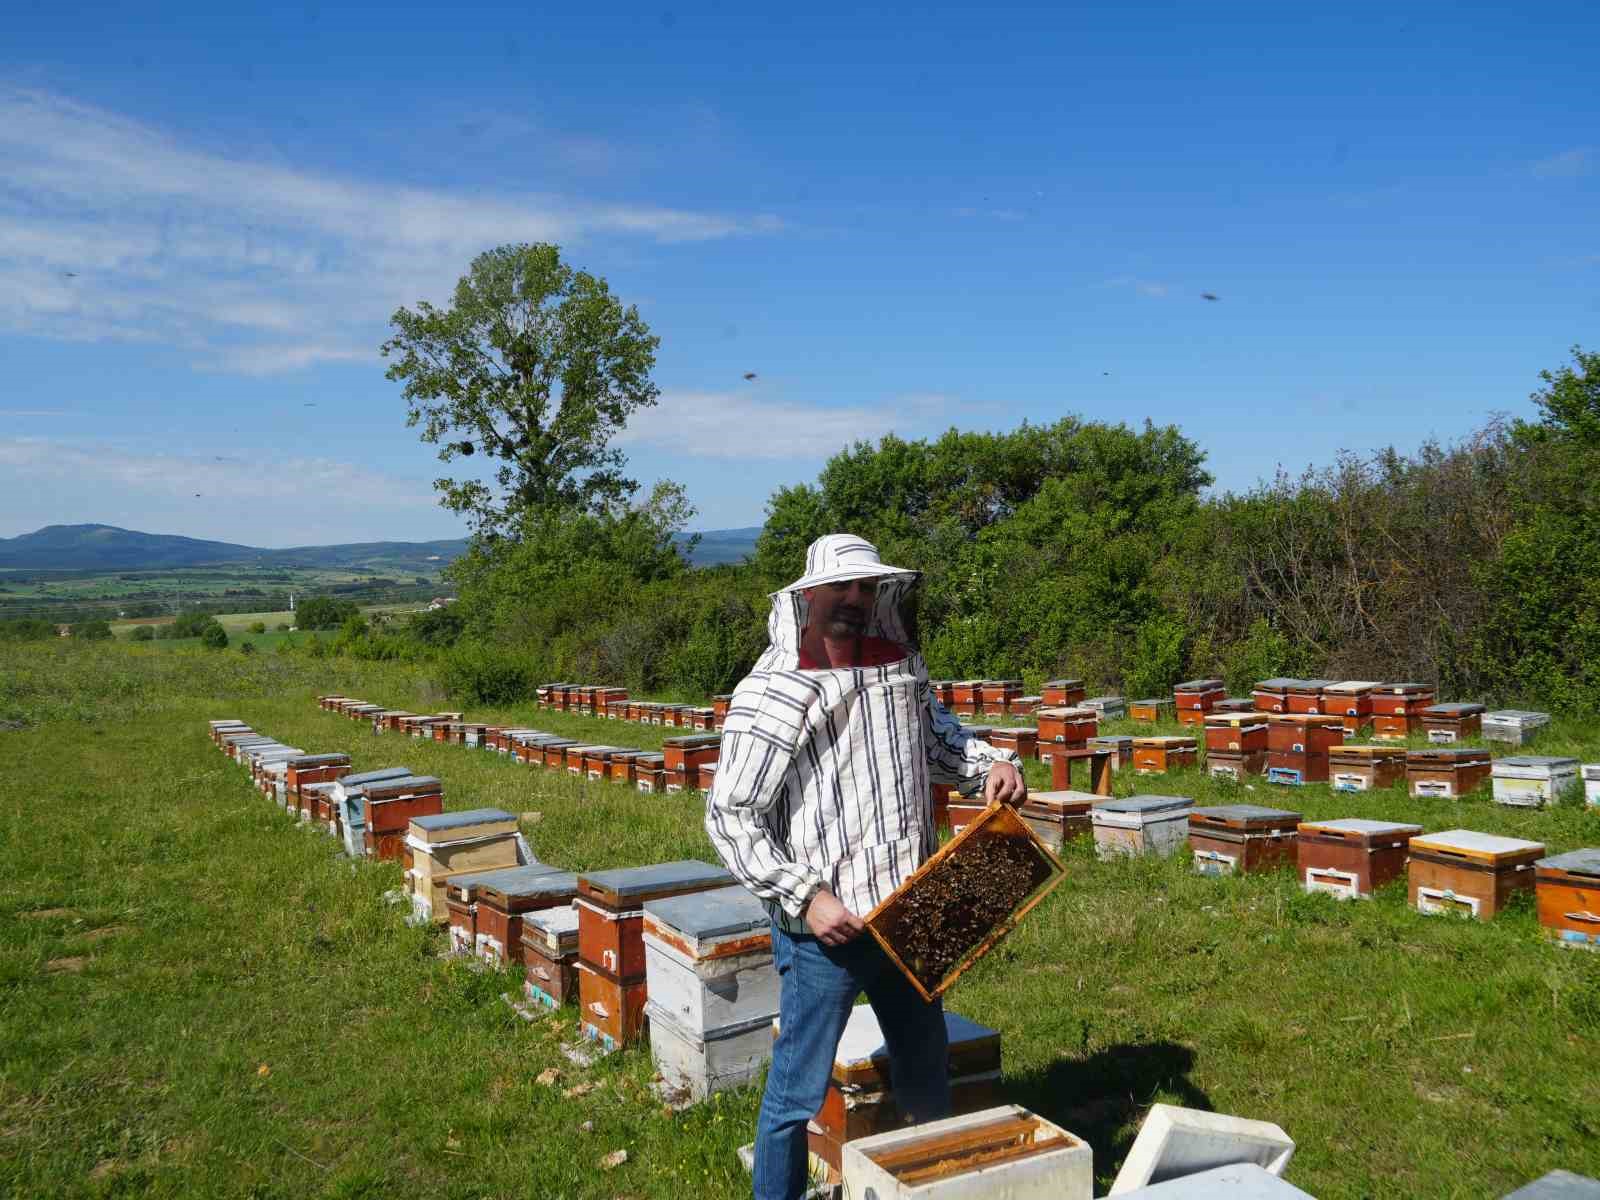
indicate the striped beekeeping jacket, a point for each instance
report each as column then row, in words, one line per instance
column 823, row 776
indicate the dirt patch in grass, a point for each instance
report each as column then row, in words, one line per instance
column 45, row 914
column 67, row 966
column 104, row 932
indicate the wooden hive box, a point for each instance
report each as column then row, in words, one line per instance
column 1307, row 695
column 1234, row 704
column 998, row 1152
column 944, row 691
column 681, row 758
column 620, row 768
column 505, row 898
column 1150, row 711
column 996, row 694
column 572, row 759
column 1568, row 890
column 446, row 844
column 474, row 734
column 1350, row 858
column 1062, row 693
column 1194, row 698
column 1365, row 768
column 1174, row 1143
column 553, row 754
column 1447, row 724
column 1024, row 743
column 719, row 708
column 316, row 797
column 650, row 773
column 860, row 1098
column 1058, row 817
column 1514, row 725
column 1470, row 873
column 392, row 804
column 611, row 910
column 1446, row 771
column 712, row 989
column 1298, row 745
column 1064, row 726
column 1401, row 699
column 226, row 725
column 959, row 904
column 1351, row 699
column 348, row 796
column 1240, row 839
column 706, row 775
column 1140, row 825
column 1158, row 755
column 550, row 956
column 461, row 906
column 966, row 697
column 1237, row 733
column 616, row 710
column 1106, row 708
column 704, row 719
column 1236, row 765
column 233, row 742
column 541, row 695
column 1532, row 780
column 1272, row 695
column 596, row 760
column 634, row 710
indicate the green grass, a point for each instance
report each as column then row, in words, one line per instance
column 1409, row 1056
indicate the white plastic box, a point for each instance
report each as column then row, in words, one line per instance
column 1175, row 1142
column 1006, row 1152
column 1532, row 780
column 1238, row 1181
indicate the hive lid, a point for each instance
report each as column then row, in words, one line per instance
column 470, row 881
column 1165, row 743
column 1100, row 701
column 1234, row 720
column 1075, row 712
column 1574, row 862
column 1472, row 844
column 1517, row 716
column 1365, row 751
column 1060, row 800
column 650, row 759
column 558, row 922
column 384, row 788
column 1063, row 683
column 1351, row 687
column 715, row 913
column 516, row 887
column 1360, row 825
column 692, row 741
column 1452, row 710
column 1403, row 689
column 1558, row 1185
column 1234, row 704
column 1546, row 761
column 303, row 761
column 1245, row 814
column 862, row 1043
column 1116, row 741
column 628, row 883
column 365, row 777
column 1447, row 754
column 1312, row 685
column 1236, row 1181
column 1278, row 684
column 1158, row 701
column 1145, row 804
column 1331, row 720
column 1199, row 685
column 440, row 822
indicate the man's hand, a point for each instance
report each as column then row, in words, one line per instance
column 831, row 922
column 1004, row 785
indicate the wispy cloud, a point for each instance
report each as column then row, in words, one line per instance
column 732, row 425
column 1145, row 287
column 1569, row 164
column 112, row 229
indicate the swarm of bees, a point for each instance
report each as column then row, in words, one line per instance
column 953, row 907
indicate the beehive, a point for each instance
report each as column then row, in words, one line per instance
column 1349, row 857
column 443, row 845
column 550, row 956
column 1107, row 708
column 1177, row 1142
column 1235, row 765
column 1307, row 696
column 1194, row 698
column 1239, row 839
column 959, row 904
column 1591, row 783
column 1062, row 693
column 1272, row 695
column 1064, row 726
column 1237, row 733
column 1532, row 780
column 1365, row 768
column 1351, row 701
column 1058, row 817
column 1298, row 745
column 390, row 805
column 1447, row 724
column 1470, row 873
column 1158, row 755
column 1140, row 825
column 1568, row 891
column 1446, row 771
column 999, row 1152
column 1514, row 725
column 1151, row 710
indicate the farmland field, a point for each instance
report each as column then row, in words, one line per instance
column 197, row 997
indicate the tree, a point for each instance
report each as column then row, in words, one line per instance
column 91, row 631
column 324, row 612
column 214, row 637
column 142, row 633
column 534, row 365
column 258, row 627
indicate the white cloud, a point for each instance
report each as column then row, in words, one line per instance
column 1569, row 164
column 732, row 425
column 1145, row 287
column 111, row 229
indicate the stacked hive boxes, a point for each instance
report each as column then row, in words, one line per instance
column 1195, row 698
column 1064, row 727
column 506, row 899
column 1351, row 700
column 1062, row 693
column 441, row 845
column 348, row 796
column 1397, row 709
column 1298, row 745
column 611, row 960
column 1451, row 771
column 1272, row 695
column 1236, row 745
column 682, row 757
column 390, row 805
column 997, row 695
column 1158, row 755
column 1150, row 711
column 712, row 988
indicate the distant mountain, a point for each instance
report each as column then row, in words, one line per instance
column 108, row 548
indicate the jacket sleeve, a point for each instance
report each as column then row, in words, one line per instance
column 955, row 757
column 747, row 793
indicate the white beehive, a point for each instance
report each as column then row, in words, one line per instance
column 1591, row 783
column 1532, row 780
column 1513, row 725
column 1141, row 825
column 1006, row 1152
column 1175, row 1141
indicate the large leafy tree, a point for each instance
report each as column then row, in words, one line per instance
column 536, row 367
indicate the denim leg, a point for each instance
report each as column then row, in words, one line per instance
column 918, row 1042
column 814, row 1002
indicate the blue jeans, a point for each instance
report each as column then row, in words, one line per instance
column 819, row 987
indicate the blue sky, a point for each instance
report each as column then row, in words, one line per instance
column 898, row 218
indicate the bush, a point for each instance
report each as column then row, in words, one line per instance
column 26, row 629
column 483, row 674
column 214, row 637
column 190, row 624
column 324, row 612
column 142, row 633
column 258, row 626
column 247, row 647
column 1159, row 655
column 91, row 631
column 283, row 627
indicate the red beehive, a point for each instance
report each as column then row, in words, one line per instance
column 1194, row 699
column 1306, row 695
column 1065, row 726
column 1062, row 693
column 1239, row 733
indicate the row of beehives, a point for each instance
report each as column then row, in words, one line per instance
column 675, row 950
column 649, row 948
column 683, row 763
column 1457, row 870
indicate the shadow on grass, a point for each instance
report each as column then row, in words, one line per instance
column 1098, row 1096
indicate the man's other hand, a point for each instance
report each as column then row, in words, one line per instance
column 1004, row 785
column 831, row 922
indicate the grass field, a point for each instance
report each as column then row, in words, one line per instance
column 197, row 997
